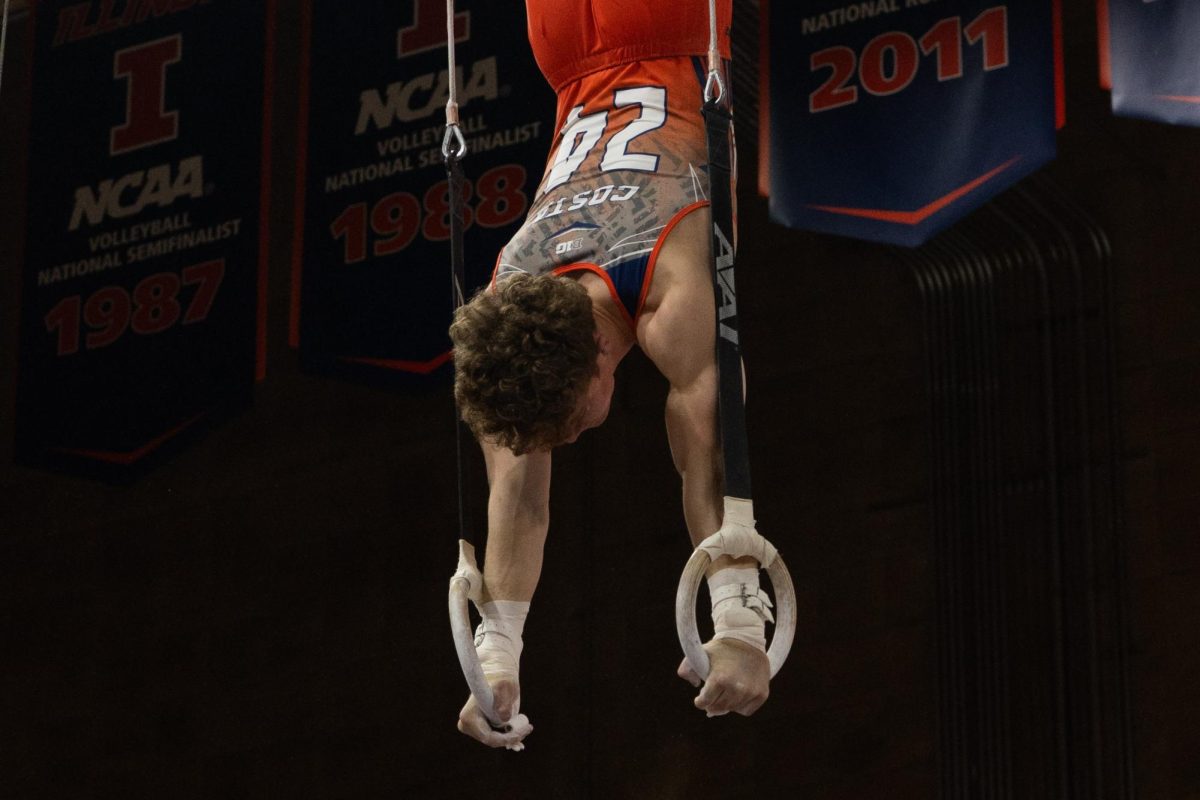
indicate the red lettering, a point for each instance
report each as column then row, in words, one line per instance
column 393, row 223
column 438, row 211
column 398, row 218
column 156, row 7
column 352, row 224
column 84, row 30
column 144, row 67
column 834, row 93
column 69, row 21
column 64, row 318
column 73, row 24
column 152, row 307
column 157, row 306
column 946, row 39
column 130, row 12
column 992, row 27
column 429, row 28
column 872, row 70
column 107, row 22
column 501, row 199
column 209, row 276
column 890, row 62
column 107, row 311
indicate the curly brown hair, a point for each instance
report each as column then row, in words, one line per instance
column 523, row 355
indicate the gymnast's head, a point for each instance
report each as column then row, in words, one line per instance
column 525, row 357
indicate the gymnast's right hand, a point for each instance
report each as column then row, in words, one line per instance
column 473, row 723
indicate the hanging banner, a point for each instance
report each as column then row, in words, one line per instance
column 372, row 287
column 1152, row 62
column 892, row 119
column 140, row 313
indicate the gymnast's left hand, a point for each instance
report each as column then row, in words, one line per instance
column 473, row 723
column 739, row 678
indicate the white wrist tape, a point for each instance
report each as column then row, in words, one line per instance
column 498, row 637
column 740, row 609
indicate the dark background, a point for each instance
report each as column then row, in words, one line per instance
column 263, row 614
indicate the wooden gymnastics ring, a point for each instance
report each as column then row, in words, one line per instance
column 737, row 538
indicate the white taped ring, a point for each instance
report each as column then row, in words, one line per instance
column 469, row 572
column 737, row 537
column 464, row 637
column 742, row 540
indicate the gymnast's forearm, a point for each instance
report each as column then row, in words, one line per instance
column 518, row 520
column 516, row 540
column 697, row 454
column 703, row 492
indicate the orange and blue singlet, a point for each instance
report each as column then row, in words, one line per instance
column 629, row 160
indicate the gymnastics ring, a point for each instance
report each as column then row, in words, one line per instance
column 737, row 537
column 464, row 586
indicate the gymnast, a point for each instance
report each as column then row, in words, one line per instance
column 615, row 252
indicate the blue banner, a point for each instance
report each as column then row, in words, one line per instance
column 1155, row 59
column 140, row 314
column 371, row 295
column 892, row 119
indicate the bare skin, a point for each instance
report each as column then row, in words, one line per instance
column 676, row 332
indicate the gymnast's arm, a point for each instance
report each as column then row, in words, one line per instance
column 677, row 332
column 679, row 336
column 518, row 520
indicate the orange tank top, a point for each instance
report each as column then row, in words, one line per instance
column 573, row 38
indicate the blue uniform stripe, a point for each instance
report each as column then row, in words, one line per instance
column 628, row 277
